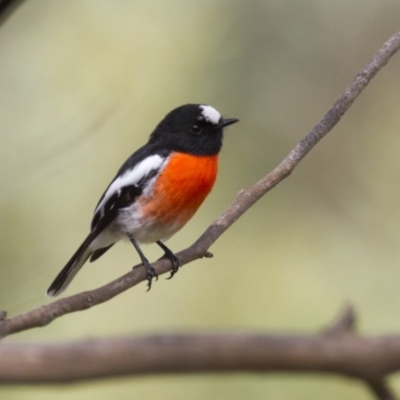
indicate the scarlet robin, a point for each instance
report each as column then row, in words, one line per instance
column 156, row 191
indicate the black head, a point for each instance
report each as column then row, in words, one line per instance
column 192, row 128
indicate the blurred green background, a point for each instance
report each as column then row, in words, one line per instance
column 84, row 82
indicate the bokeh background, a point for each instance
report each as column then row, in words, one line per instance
column 83, row 83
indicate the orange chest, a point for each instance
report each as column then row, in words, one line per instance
column 182, row 186
column 191, row 177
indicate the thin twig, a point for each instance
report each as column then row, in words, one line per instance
column 7, row 7
column 381, row 390
column 344, row 323
column 246, row 198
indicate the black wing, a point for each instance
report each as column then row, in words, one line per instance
column 125, row 195
column 109, row 210
column 133, row 192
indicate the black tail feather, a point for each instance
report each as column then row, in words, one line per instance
column 99, row 252
column 71, row 268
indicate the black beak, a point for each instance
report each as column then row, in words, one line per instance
column 228, row 121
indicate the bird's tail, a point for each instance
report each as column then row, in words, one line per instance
column 73, row 266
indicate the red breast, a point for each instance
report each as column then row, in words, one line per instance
column 180, row 189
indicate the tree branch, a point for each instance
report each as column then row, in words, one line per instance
column 343, row 353
column 7, row 7
column 381, row 390
column 43, row 315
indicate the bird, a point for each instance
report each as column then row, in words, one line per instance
column 156, row 191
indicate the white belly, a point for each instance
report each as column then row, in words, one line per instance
column 129, row 223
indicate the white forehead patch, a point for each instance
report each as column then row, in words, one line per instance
column 210, row 114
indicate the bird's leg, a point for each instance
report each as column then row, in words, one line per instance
column 149, row 269
column 172, row 257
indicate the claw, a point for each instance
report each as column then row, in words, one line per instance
column 149, row 269
column 172, row 257
column 151, row 273
column 175, row 263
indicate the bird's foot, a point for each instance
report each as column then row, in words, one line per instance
column 151, row 273
column 174, row 261
column 172, row 257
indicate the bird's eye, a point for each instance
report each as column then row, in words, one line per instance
column 196, row 129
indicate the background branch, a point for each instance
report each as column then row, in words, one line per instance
column 43, row 315
column 7, row 7
column 337, row 350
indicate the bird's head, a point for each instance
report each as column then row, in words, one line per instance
column 192, row 128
